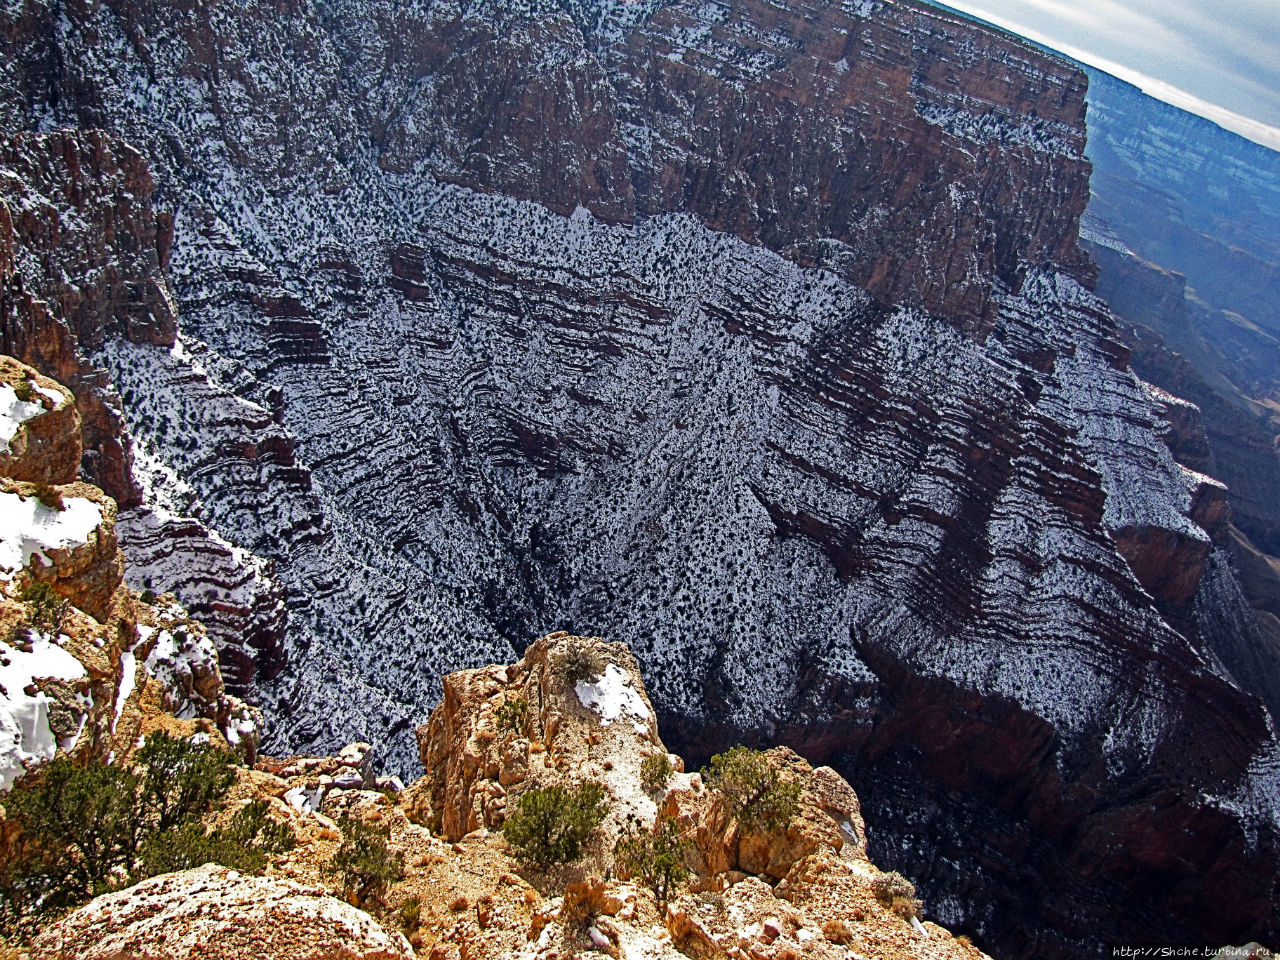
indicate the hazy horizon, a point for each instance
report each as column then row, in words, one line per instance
column 1226, row 69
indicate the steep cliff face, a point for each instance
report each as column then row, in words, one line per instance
column 86, row 269
column 809, row 404
column 86, row 667
column 844, row 134
column 1182, row 222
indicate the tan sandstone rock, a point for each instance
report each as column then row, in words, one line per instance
column 46, row 445
column 212, row 913
column 598, row 729
column 108, row 668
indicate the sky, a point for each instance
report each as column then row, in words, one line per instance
column 1217, row 58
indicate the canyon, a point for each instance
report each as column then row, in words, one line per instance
column 758, row 337
column 1182, row 224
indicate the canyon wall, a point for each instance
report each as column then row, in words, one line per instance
column 755, row 336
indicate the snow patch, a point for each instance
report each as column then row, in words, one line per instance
column 240, row 726
column 14, row 412
column 25, row 735
column 612, row 696
column 128, row 680
column 28, row 528
column 56, row 396
column 176, row 660
column 304, row 800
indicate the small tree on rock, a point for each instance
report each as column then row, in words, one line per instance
column 365, row 863
column 896, row 892
column 513, row 715
column 79, row 831
column 655, row 772
column 757, row 795
column 654, row 856
column 181, row 780
column 551, row 825
column 581, row 662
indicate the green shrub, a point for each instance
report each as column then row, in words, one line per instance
column 410, row 913
column 654, row 856
column 513, row 715
column 181, row 780
column 758, row 797
column 364, row 863
column 655, row 772
column 25, row 390
column 45, row 609
column 580, row 663
column 84, row 830
column 253, row 830
column 78, row 827
column 243, row 844
column 550, row 825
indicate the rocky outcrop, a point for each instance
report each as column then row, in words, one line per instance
column 471, row 768
column 601, row 728
column 44, row 445
column 218, row 914
column 829, row 820
column 88, row 666
column 56, row 530
column 805, row 890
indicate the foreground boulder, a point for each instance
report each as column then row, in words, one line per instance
column 213, row 913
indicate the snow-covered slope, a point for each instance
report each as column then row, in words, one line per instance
column 756, row 336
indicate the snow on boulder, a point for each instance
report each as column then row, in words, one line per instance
column 67, row 541
column 14, row 413
column 26, row 737
column 177, row 653
column 39, row 426
column 612, row 696
column 29, row 528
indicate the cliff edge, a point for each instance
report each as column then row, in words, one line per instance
column 803, row 888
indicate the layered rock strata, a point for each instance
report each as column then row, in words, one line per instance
column 84, row 268
column 847, row 453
